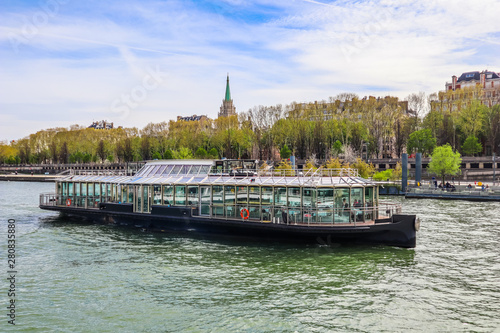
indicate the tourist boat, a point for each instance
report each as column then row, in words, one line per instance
column 235, row 198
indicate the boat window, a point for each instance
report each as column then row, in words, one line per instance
column 308, row 197
column 294, row 197
column 145, row 171
column 193, row 197
column 368, row 196
column 160, row 170
column 217, row 191
column 168, row 195
column 97, row 189
column 124, row 194
column 70, row 188
column 145, row 198
column 91, row 190
column 230, row 211
column 130, row 194
column 205, row 200
column 167, row 170
column 325, row 197
column 205, row 169
column 156, row 194
column 180, row 195
column 342, row 207
column 254, row 195
column 185, row 170
column 195, row 170
column 64, row 188
column 77, row 189
column 229, row 195
column 153, row 171
column 267, row 195
column 176, row 170
column 280, row 196
column 357, row 197
column 242, row 194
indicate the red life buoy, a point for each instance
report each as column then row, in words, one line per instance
column 245, row 214
column 68, row 202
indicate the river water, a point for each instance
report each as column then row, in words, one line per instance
column 80, row 277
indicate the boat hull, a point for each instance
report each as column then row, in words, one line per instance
column 399, row 230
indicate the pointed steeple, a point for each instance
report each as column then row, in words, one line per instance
column 227, row 108
column 228, row 92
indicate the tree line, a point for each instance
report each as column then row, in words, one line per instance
column 345, row 125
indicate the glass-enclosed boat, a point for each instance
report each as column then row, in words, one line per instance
column 235, row 198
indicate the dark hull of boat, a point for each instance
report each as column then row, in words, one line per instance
column 400, row 230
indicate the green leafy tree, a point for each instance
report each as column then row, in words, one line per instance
column 337, row 148
column 444, row 162
column 168, row 155
column 285, row 152
column 213, row 153
column 156, row 156
column 421, row 142
column 200, row 153
column 472, row 146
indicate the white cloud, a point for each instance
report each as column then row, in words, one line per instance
column 84, row 58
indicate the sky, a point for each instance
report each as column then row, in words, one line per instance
column 133, row 62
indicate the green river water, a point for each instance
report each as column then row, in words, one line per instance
column 80, row 277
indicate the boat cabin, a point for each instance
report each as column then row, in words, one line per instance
column 229, row 189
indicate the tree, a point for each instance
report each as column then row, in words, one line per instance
column 64, row 154
column 200, row 153
column 472, row 146
column 444, row 162
column 421, row 142
column 285, row 152
column 101, row 151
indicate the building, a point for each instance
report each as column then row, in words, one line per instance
column 484, row 86
column 227, row 108
column 192, row 118
column 101, row 125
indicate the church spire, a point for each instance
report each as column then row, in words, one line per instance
column 227, row 108
column 228, row 92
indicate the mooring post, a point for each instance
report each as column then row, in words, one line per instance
column 418, row 169
column 404, row 177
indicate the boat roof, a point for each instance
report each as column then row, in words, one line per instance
column 200, row 172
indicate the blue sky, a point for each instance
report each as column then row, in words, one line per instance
column 66, row 62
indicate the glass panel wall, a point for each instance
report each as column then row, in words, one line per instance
column 254, row 195
column 294, row 199
column 309, row 204
column 267, row 195
column 357, row 214
column 342, row 207
column 180, row 195
column 217, row 195
column 156, row 194
column 145, row 198
column 242, row 195
column 229, row 201
column 130, row 194
column 168, row 195
column 369, row 203
column 205, row 192
column 325, row 205
column 280, row 196
column 193, row 196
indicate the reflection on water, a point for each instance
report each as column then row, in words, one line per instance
column 77, row 276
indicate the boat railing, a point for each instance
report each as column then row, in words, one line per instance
column 98, row 173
